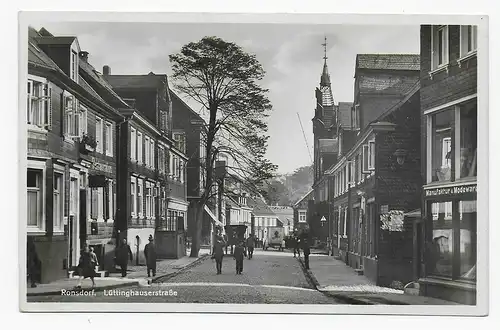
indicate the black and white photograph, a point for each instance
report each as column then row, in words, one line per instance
column 225, row 163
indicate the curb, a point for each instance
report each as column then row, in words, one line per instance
column 180, row 270
column 96, row 289
column 315, row 284
column 121, row 285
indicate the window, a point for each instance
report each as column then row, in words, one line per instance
column 180, row 141
column 468, row 39
column 439, row 46
column 110, row 200
column 133, row 144
column 74, row 65
column 58, row 211
column 152, row 154
column 140, row 204
column 99, row 129
column 39, row 105
column 181, row 170
column 176, row 167
column 140, row 159
column 133, row 199
column 147, row 150
column 161, row 159
column 345, row 222
column 153, row 200
column 72, row 116
column 82, row 114
column 467, row 135
column 468, row 240
column 442, row 239
column 442, row 147
column 163, row 120
column 171, row 221
column 171, row 172
column 109, row 139
column 148, row 200
column 35, row 207
column 366, row 157
column 97, row 203
column 371, row 156
column 355, row 117
column 302, row 216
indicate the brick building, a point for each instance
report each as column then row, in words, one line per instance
column 300, row 211
column 71, row 168
column 447, row 235
column 377, row 177
column 152, row 167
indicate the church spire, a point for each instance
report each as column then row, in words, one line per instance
column 325, row 76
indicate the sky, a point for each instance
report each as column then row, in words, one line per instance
column 291, row 55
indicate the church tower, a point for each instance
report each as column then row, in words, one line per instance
column 324, row 122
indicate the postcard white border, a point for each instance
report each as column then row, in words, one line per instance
column 481, row 308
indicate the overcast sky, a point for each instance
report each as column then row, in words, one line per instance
column 292, row 56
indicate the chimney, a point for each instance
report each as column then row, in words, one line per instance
column 84, row 56
column 106, row 70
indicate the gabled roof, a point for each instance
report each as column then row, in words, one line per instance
column 260, row 208
column 55, row 40
column 303, row 197
column 388, row 61
column 150, row 80
column 387, row 85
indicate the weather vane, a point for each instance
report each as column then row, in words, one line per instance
column 324, row 45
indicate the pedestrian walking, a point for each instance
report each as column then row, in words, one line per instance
column 218, row 254
column 307, row 252
column 150, row 254
column 250, row 246
column 123, row 252
column 239, row 255
column 86, row 267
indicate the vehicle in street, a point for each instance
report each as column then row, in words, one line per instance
column 275, row 237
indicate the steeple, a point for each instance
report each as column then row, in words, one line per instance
column 325, row 76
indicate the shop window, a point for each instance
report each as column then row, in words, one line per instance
column 468, row 239
column 441, row 254
column 442, row 146
column 468, row 141
column 34, row 184
column 171, row 220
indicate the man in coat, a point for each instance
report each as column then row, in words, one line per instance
column 250, row 245
column 218, row 254
column 150, row 254
column 239, row 255
column 307, row 251
column 122, row 256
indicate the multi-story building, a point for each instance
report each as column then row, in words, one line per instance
column 237, row 210
column 285, row 215
column 376, row 179
column 264, row 218
column 447, row 240
column 71, row 168
column 152, row 167
column 300, row 212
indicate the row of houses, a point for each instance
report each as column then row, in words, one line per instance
column 395, row 171
column 113, row 157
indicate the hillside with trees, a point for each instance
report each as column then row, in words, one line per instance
column 287, row 189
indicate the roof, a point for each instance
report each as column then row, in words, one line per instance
column 303, row 197
column 284, row 213
column 344, row 114
column 35, row 54
column 136, row 81
column 260, row 208
column 193, row 113
column 388, row 61
column 387, row 84
column 55, row 40
column 82, row 82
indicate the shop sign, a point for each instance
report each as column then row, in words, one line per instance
column 451, row 191
column 101, row 167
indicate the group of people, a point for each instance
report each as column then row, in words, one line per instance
column 88, row 262
column 241, row 250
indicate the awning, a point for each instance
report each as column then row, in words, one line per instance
column 214, row 218
column 414, row 214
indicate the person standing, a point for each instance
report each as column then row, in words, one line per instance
column 86, row 267
column 123, row 252
column 218, row 254
column 239, row 254
column 250, row 246
column 93, row 258
column 307, row 251
column 150, row 254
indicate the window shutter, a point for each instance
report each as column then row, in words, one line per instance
column 371, row 152
column 48, row 107
column 28, row 104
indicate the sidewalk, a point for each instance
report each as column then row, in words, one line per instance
column 136, row 275
column 335, row 278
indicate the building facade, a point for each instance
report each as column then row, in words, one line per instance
column 71, row 169
column 264, row 218
column 152, row 167
column 447, row 241
column 300, row 212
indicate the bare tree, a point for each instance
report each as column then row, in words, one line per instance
column 224, row 80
